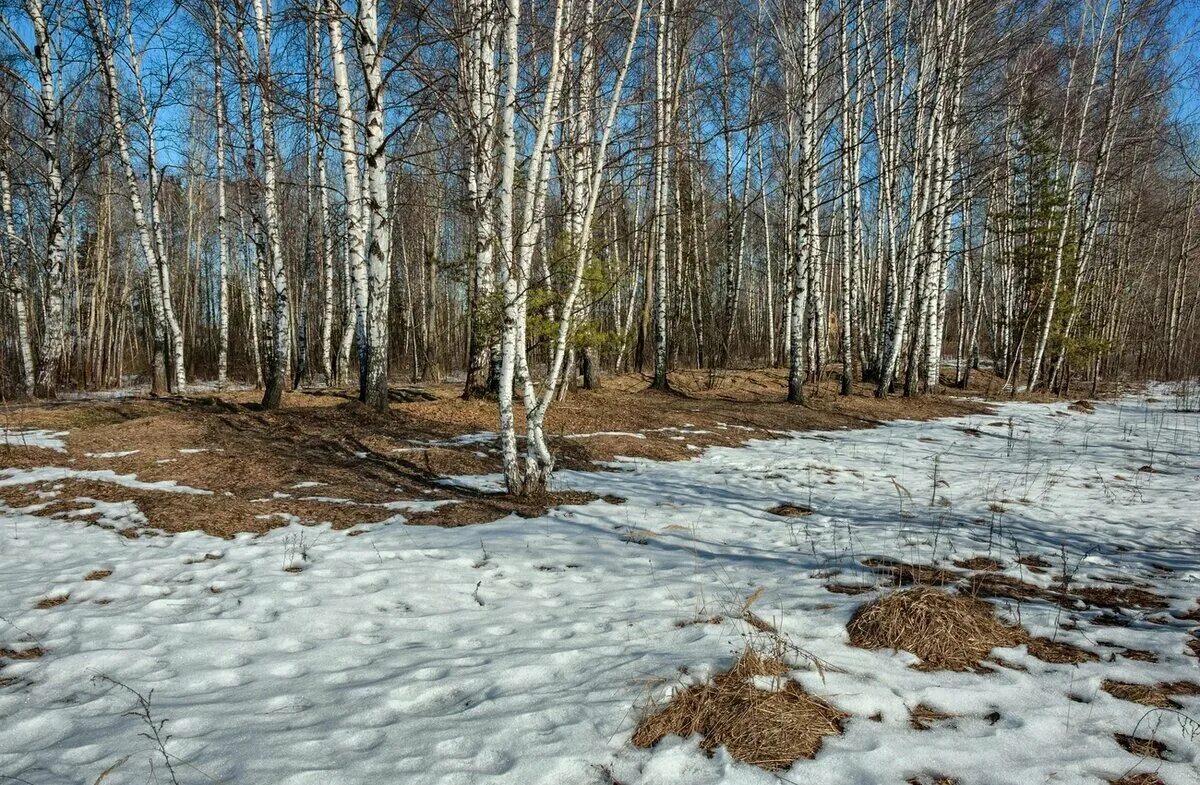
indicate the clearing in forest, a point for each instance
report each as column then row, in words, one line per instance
column 1004, row 595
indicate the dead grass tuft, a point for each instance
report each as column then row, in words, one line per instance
column 791, row 510
column 97, row 575
column 31, row 653
column 1034, row 563
column 488, row 507
column 52, row 602
column 771, row 728
column 906, row 574
column 1086, row 407
column 1010, row 588
column 1060, row 652
column 1157, row 695
column 1115, row 597
column 980, row 564
column 946, row 631
column 1191, row 614
column 848, row 589
column 1143, row 748
column 1144, row 778
column 923, row 716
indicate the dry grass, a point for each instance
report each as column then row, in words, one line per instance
column 1115, row 597
column 1143, row 748
column 1144, row 778
column 923, row 716
column 30, row 653
column 906, row 574
column 51, row 602
column 1010, row 588
column 1157, row 695
column 356, row 454
column 980, row 564
column 767, row 728
column 97, row 575
column 849, row 589
column 790, row 510
column 1060, row 652
column 946, row 631
column 1034, row 563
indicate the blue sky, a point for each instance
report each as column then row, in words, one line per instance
column 1186, row 91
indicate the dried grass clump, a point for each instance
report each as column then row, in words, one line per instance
column 1145, row 778
column 51, row 602
column 1116, row 597
column 771, row 729
column 1143, row 748
column 848, row 589
column 906, row 574
column 947, row 631
column 980, row 564
column 1034, row 563
column 30, row 653
column 1060, row 652
column 1010, row 588
column 791, row 510
column 924, row 716
column 1157, row 695
column 97, row 575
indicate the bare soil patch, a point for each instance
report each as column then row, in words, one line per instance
column 771, row 728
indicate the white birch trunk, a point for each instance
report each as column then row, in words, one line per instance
column 14, row 281
column 279, row 357
column 51, row 349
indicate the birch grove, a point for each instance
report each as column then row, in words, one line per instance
column 891, row 197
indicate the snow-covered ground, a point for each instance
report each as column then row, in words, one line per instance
column 522, row 651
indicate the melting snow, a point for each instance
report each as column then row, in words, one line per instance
column 48, row 440
column 518, row 651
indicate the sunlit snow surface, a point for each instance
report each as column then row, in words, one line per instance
column 20, row 437
column 520, row 651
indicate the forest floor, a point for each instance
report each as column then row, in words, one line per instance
column 970, row 592
column 324, row 458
